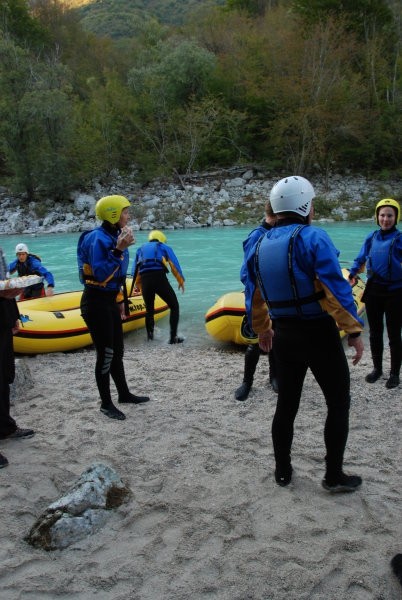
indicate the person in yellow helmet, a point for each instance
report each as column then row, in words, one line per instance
column 381, row 254
column 149, row 274
column 102, row 262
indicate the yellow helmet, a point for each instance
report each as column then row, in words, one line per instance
column 109, row 208
column 157, row 235
column 388, row 202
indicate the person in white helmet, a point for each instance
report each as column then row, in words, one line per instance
column 294, row 271
column 30, row 264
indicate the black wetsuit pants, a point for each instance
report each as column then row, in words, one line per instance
column 315, row 344
column 390, row 305
column 8, row 316
column 156, row 282
column 102, row 317
column 251, row 358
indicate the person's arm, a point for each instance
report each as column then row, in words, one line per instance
column 338, row 301
column 36, row 266
column 10, row 293
column 104, row 257
column 12, row 267
column 256, row 307
column 174, row 266
column 355, row 341
column 359, row 263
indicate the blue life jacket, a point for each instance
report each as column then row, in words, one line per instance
column 98, row 263
column 150, row 257
column 287, row 289
column 383, row 266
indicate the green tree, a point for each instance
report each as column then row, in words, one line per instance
column 252, row 7
column 17, row 22
column 34, row 123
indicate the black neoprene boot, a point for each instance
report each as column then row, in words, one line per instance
column 283, row 475
column 341, row 483
column 373, row 376
column 393, row 381
column 243, row 391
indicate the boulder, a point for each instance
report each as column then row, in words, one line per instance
column 82, row 511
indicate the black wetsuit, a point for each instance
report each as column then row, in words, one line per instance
column 156, row 282
column 8, row 318
column 102, row 315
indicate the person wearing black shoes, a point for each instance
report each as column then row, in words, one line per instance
column 253, row 351
column 382, row 254
column 294, row 280
column 9, row 324
column 149, row 272
column 102, row 262
column 251, row 358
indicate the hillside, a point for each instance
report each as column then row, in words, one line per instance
column 123, row 18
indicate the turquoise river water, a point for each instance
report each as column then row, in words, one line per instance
column 210, row 259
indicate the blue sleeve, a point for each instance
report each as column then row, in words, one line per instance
column 173, row 261
column 361, row 258
column 323, row 255
column 102, row 259
column 37, row 266
column 248, row 244
column 12, row 267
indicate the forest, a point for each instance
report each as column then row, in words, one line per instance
column 302, row 86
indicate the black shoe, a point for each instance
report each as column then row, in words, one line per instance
column 176, row 340
column 396, row 564
column 3, row 461
column 150, row 335
column 392, row 382
column 243, row 391
column 343, row 483
column 133, row 399
column 283, row 476
column 373, row 376
column 274, row 384
column 113, row 412
column 19, row 433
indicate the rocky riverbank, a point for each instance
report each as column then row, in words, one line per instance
column 215, row 199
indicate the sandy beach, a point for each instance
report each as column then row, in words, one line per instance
column 205, row 519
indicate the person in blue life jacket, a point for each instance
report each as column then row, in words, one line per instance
column 381, row 253
column 150, row 270
column 30, row 264
column 9, row 325
column 103, row 258
column 253, row 351
column 294, row 271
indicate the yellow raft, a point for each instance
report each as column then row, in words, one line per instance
column 54, row 323
column 226, row 320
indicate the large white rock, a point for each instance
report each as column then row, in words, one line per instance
column 83, row 510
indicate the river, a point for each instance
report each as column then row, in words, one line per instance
column 210, row 259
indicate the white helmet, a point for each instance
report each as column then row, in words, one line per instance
column 21, row 248
column 292, row 194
